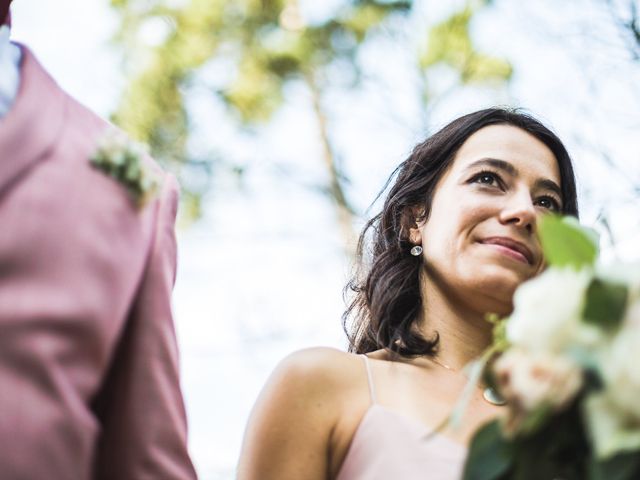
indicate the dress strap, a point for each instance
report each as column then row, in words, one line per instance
column 372, row 388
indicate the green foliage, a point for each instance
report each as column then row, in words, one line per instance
column 267, row 56
column 122, row 159
column 566, row 243
column 558, row 449
column 535, row 419
column 267, row 44
column 449, row 43
column 489, row 454
column 500, row 342
column 256, row 93
column 368, row 15
column 621, row 467
column 274, row 51
column 606, row 302
column 153, row 107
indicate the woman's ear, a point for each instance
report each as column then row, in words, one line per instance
column 415, row 236
column 415, row 233
column 413, row 221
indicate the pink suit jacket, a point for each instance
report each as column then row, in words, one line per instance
column 89, row 384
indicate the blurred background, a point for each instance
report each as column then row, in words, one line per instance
column 283, row 119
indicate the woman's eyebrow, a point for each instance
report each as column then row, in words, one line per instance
column 546, row 184
column 495, row 163
column 542, row 183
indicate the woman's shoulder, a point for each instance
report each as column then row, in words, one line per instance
column 323, row 354
column 321, row 367
column 307, row 392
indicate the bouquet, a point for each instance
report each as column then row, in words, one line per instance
column 567, row 362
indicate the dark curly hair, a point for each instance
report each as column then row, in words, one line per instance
column 387, row 300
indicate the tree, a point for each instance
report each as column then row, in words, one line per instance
column 269, row 44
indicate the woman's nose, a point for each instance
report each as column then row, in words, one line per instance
column 520, row 212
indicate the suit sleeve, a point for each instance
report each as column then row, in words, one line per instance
column 141, row 407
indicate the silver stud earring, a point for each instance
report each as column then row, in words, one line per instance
column 416, row 250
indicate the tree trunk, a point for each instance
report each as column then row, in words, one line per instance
column 344, row 212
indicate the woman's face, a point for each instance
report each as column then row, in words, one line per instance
column 479, row 240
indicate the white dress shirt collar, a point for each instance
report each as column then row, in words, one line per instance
column 9, row 70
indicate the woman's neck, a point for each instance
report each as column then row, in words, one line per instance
column 463, row 332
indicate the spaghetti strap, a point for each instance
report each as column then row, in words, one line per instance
column 372, row 389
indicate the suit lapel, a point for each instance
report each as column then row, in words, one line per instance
column 30, row 130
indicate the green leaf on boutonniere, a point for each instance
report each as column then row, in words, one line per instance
column 605, row 303
column 489, row 454
column 567, row 243
column 123, row 159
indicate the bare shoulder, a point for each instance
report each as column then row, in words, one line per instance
column 319, row 375
column 329, row 366
column 305, row 394
column 324, row 355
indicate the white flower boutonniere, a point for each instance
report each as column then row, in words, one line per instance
column 122, row 158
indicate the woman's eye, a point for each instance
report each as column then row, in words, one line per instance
column 549, row 203
column 486, row 178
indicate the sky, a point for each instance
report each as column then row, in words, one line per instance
column 261, row 274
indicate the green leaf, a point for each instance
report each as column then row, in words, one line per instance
column 558, row 450
column 450, row 43
column 499, row 331
column 625, row 466
column 605, row 303
column 536, row 419
column 566, row 243
column 489, row 455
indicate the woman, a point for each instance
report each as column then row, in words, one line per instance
column 455, row 237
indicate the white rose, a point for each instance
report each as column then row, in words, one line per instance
column 610, row 430
column 532, row 383
column 529, row 381
column 547, row 310
column 620, row 368
column 632, row 316
column 613, row 414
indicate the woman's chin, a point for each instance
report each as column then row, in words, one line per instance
column 503, row 278
column 494, row 291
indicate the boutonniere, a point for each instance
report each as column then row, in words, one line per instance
column 122, row 158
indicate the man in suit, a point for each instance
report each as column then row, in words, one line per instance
column 89, row 384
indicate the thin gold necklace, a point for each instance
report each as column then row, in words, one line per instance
column 488, row 393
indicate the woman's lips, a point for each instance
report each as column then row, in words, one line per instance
column 510, row 247
column 509, row 252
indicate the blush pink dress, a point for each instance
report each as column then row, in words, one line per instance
column 389, row 445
